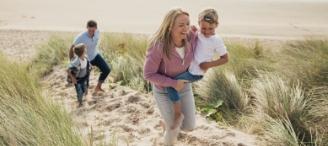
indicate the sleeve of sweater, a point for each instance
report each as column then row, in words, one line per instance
column 152, row 64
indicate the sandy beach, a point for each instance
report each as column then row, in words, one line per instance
column 239, row 18
column 132, row 116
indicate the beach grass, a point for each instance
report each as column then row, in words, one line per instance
column 52, row 53
column 287, row 89
column 27, row 116
column 280, row 95
column 126, row 53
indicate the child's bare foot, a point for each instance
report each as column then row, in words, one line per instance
column 177, row 121
column 80, row 104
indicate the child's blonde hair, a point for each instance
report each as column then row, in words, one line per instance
column 79, row 49
column 209, row 15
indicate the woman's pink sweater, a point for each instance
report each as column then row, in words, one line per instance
column 160, row 70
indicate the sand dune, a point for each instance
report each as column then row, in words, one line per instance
column 130, row 116
column 124, row 114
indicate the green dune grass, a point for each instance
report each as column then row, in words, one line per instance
column 280, row 95
column 28, row 117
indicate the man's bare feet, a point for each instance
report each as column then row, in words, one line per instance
column 98, row 88
column 97, row 91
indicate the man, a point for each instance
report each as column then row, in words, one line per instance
column 90, row 38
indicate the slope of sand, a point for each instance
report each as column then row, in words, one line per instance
column 131, row 117
column 241, row 18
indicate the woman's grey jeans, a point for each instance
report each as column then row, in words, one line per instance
column 165, row 106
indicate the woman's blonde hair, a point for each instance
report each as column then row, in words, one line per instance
column 163, row 34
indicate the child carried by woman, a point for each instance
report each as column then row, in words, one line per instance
column 208, row 45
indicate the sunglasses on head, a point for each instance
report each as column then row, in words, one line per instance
column 208, row 19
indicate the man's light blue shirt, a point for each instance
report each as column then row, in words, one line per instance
column 90, row 42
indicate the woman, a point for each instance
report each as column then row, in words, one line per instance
column 170, row 54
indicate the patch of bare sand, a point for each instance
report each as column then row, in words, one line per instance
column 131, row 116
column 20, row 45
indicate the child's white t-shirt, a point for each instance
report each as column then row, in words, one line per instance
column 205, row 50
column 80, row 65
column 84, row 63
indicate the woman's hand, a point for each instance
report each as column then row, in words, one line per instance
column 205, row 66
column 180, row 85
column 193, row 28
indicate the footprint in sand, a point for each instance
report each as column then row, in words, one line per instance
column 143, row 130
column 107, row 123
column 92, row 107
column 224, row 136
column 145, row 105
column 120, row 93
column 126, row 128
column 112, row 106
column 131, row 109
column 133, row 99
column 150, row 111
column 134, row 119
column 241, row 144
column 188, row 138
column 92, row 102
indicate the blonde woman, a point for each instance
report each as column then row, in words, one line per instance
column 170, row 53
